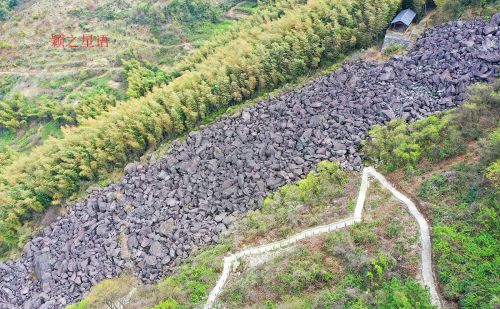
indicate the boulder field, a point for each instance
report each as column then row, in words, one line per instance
column 161, row 211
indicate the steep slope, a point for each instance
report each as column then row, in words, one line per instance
column 166, row 208
column 254, row 60
column 317, row 268
column 449, row 164
column 453, row 181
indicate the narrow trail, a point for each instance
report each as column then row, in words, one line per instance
column 426, row 254
column 72, row 71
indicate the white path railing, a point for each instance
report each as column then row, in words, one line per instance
column 426, row 254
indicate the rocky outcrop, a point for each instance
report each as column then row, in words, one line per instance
column 163, row 210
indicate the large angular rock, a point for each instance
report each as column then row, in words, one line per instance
column 43, row 270
column 157, row 249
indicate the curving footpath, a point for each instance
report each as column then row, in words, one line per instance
column 425, row 239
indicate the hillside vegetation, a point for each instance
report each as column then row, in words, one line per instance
column 464, row 9
column 461, row 197
column 373, row 264
column 147, row 28
column 256, row 59
column 63, row 85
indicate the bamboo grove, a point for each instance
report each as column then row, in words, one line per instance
column 258, row 58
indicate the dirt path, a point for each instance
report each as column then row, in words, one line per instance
column 231, row 261
column 42, row 72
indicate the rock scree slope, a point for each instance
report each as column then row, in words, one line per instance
column 159, row 212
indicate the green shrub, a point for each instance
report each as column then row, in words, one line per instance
column 453, row 9
column 493, row 173
column 394, row 229
column 300, row 275
column 392, row 146
column 490, row 145
column 93, row 105
column 397, row 293
column 169, row 303
column 416, row 5
column 465, row 228
column 142, row 77
column 7, row 82
column 109, row 293
column 4, row 13
column 7, row 156
column 364, row 235
column 393, row 49
column 248, row 7
column 17, row 112
column 4, row 45
column 480, row 114
column 466, row 265
column 190, row 285
column 433, row 187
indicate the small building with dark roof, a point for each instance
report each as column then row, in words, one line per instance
column 403, row 20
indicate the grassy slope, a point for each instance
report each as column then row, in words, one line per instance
column 456, row 179
column 464, row 213
column 339, row 269
column 75, row 74
column 463, row 208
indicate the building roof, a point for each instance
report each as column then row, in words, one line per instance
column 405, row 16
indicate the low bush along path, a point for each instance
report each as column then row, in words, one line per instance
column 231, row 261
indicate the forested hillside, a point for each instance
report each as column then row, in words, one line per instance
column 249, row 154
column 62, row 84
column 257, row 58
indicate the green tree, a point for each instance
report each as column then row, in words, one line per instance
column 142, row 77
column 416, row 5
column 16, row 112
